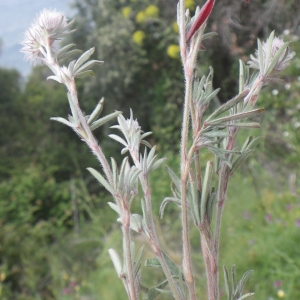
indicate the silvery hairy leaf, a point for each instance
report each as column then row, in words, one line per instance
column 175, row 178
column 246, row 150
column 240, row 286
column 206, row 189
column 239, row 125
column 86, row 67
column 238, row 116
column 154, row 263
column 73, row 110
column 96, row 112
column 101, row 179
column 83, row 58
column 194, row 199
column 136, row 222
column 102, row 121
column 116, row 261
column 64, row 121
column 153, row 292
column 229, row 104
column 166, row 201
column 85, row 74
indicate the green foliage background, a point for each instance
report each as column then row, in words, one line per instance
column 56, row 227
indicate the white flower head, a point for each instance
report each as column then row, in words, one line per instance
column 272, row 56
column 43, row 34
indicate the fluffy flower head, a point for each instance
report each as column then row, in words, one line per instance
column 275, row 56
column 41, row 37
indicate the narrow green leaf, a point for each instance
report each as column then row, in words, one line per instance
column 73, row 109
column 158, row 164
column 253, row 143
column 276, row 58
column 104, row 120
column 242, row 282
column 85, row 74
column 118, row 139
column 88, row 65
column 136, row 223
column 269, row 48
column 206, row 187
column 229, row 104
column 96, row 112
column 241, row 76
column 114, row 207
column 260, row 56
column 162, row 291
column 145, row 215
column 154, row 263
column 146, row 144
column 240, row 160
column 64, row 121
column 83, row 58
column 101, row 179
column 174, row 178
column 233, row 276
column 137, row 262
column 227, row 283
column 238, row 116
column 220, row 154
column 208, row 35
column 71, row 67
column 240, row 125
column 210, row 205
column 154, row 291
column 69, row 53
column 145, row 134
column 53, row 77
column 216, row 134
column 151, row 154
column 166, row 201
column 116, row 261
column 195, row 200
column 210, row 96
column 246, row 296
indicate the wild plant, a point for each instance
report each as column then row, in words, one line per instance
column 200, row 187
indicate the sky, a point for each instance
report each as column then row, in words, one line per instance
column 15, row 17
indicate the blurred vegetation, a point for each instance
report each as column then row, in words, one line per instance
column 55, row 224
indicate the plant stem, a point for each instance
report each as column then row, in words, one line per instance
column 209, row 265
column 127, row 254
column 224, row 175
column 90, row 140
column 185, row 165
column 153, row 239
column 152, row 234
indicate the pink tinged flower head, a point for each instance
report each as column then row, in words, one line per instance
column 270, row 49
column 201, row 18
column 49, row 27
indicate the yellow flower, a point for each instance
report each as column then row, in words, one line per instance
column 126, row 11
column 140, row 17
column 173, row 51
column 175, row 27
column 138, row 37
column 280, row 294
column 152, row 11
column 190, row 4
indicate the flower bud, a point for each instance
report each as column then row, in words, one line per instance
column 201, row 18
